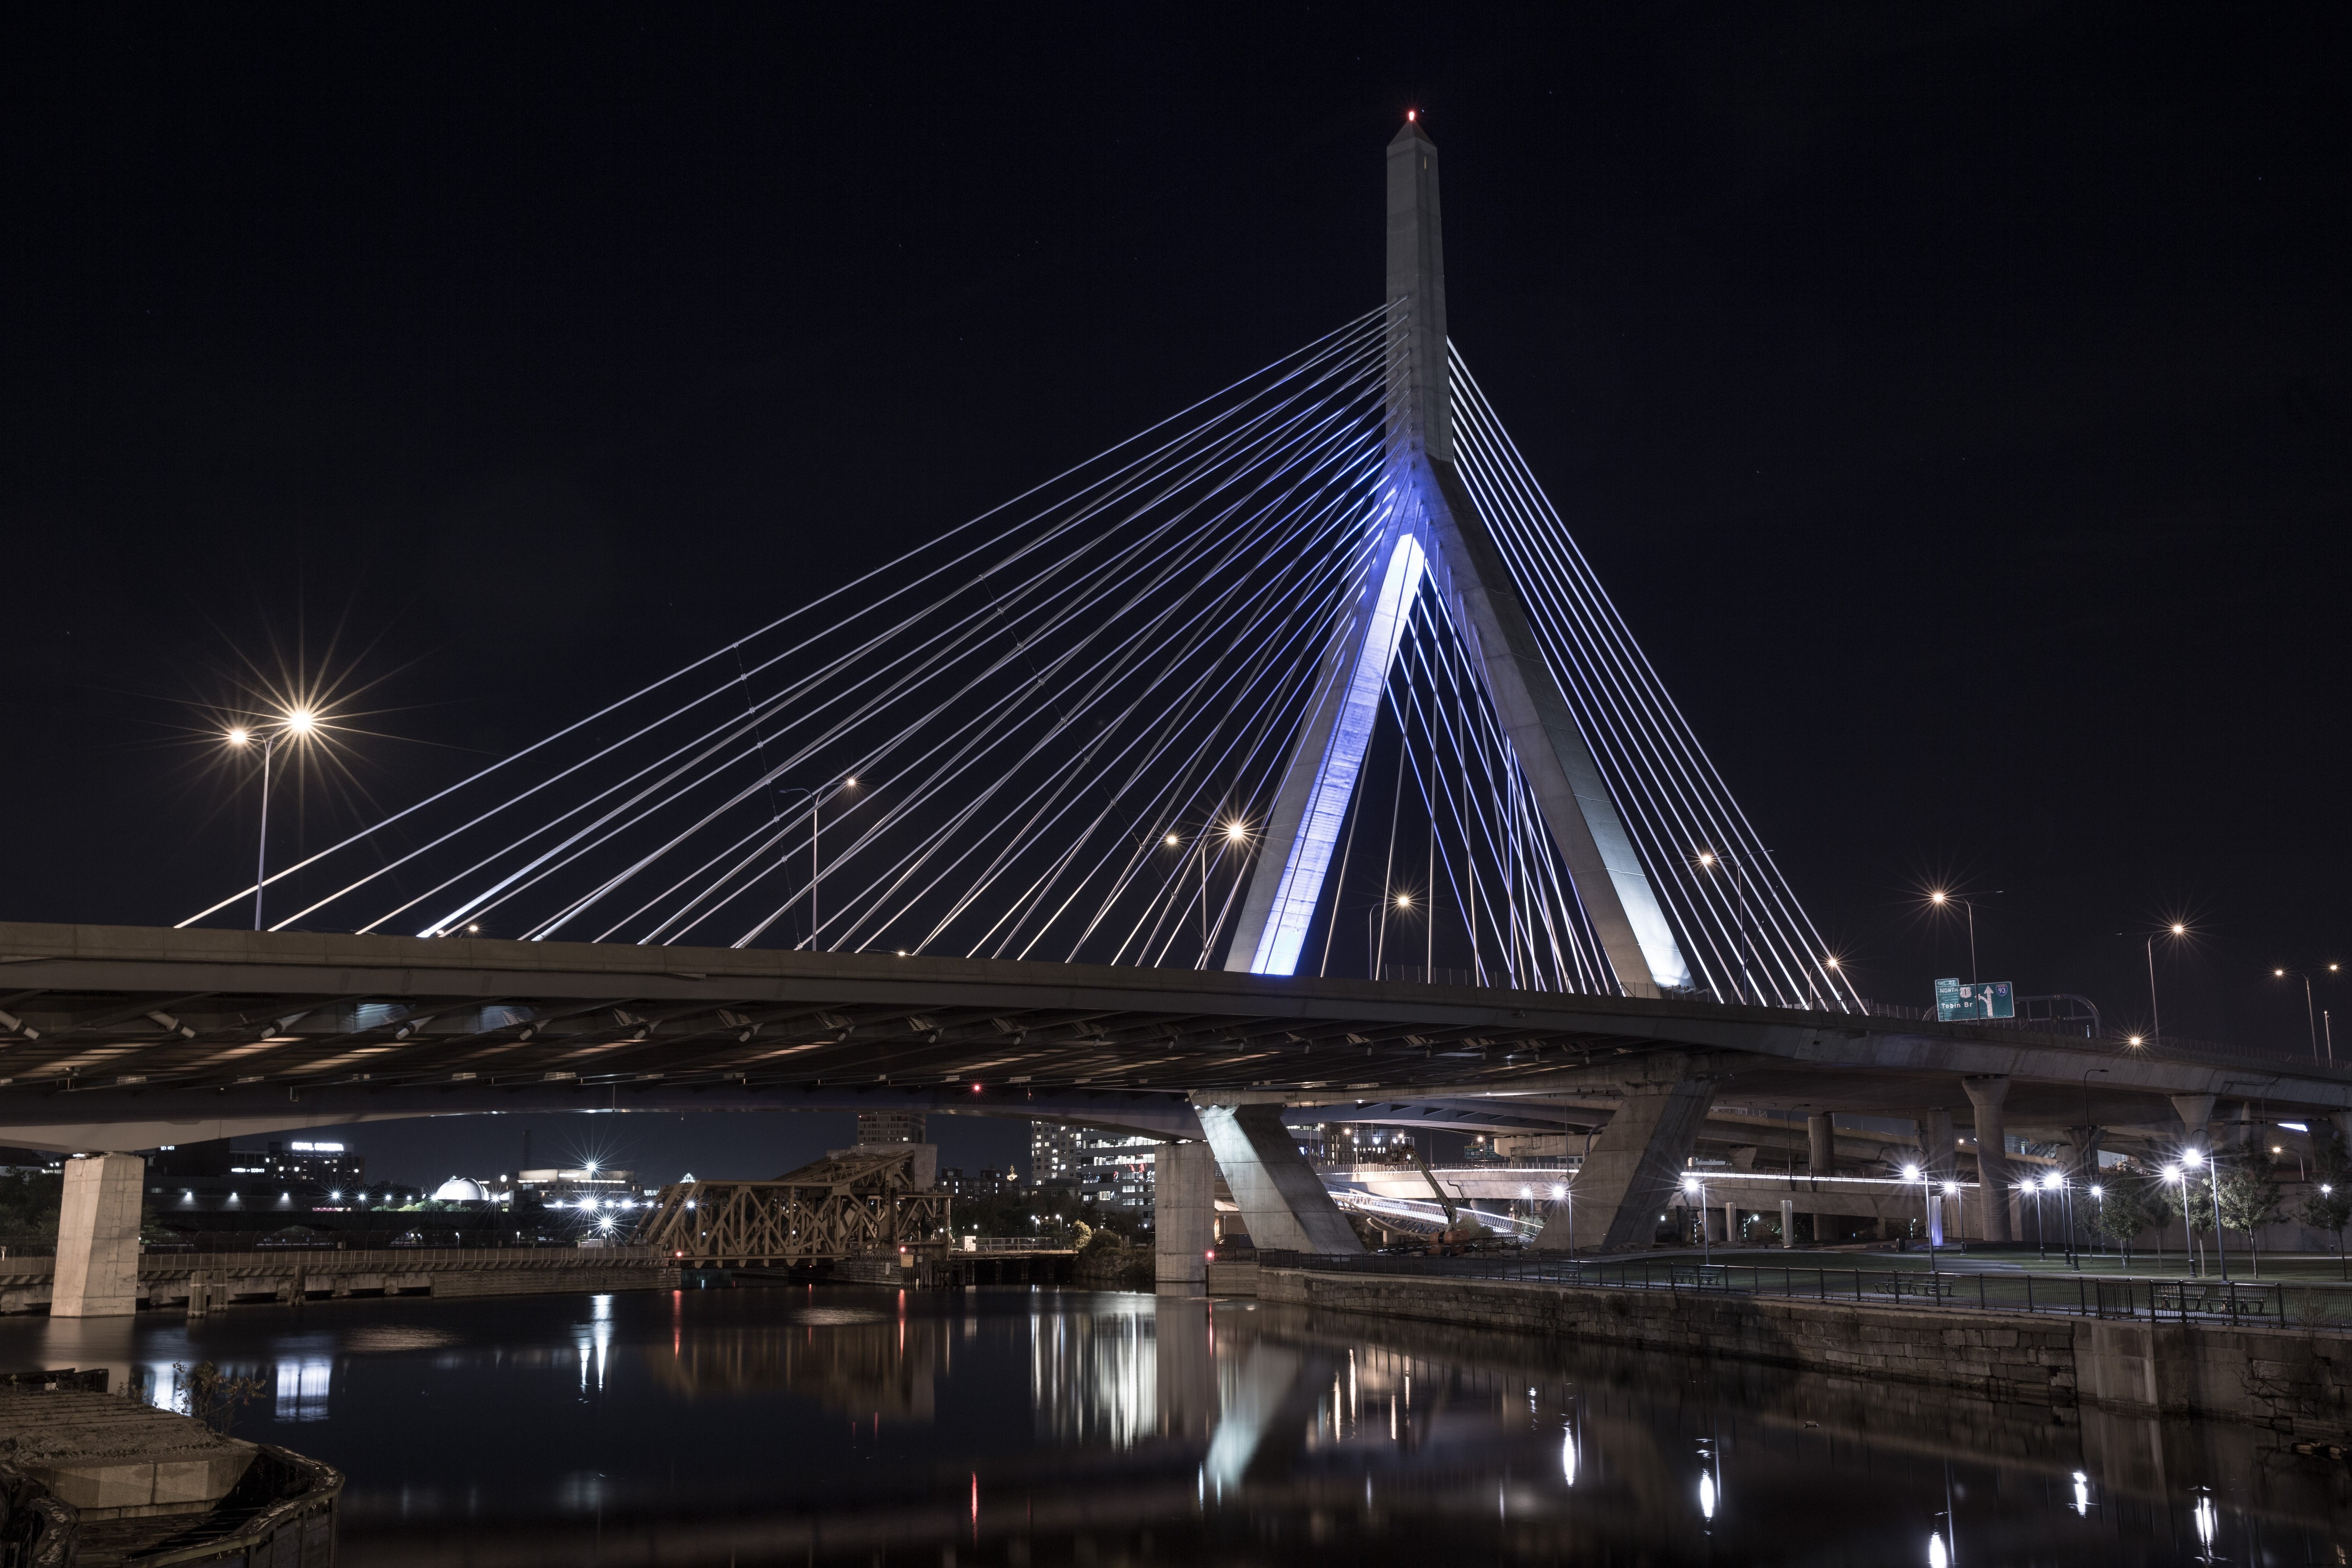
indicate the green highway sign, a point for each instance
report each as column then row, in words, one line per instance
column 1959, row 1000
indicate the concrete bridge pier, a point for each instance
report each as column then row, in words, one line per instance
column 1986, row 1097
column 1185, row 1199
column 1939, row 1162
column 98, row 1237
column 1635, row 1166
column 2196, row 1113
column 1820, row 1158
column 1281, row 1196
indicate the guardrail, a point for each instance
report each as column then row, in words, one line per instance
column 2149, row 1300
column 983, row 1243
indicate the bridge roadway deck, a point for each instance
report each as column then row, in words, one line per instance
column 128, row 1037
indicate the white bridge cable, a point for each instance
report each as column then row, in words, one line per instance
column 1173, row 456
column 1372, row 325
column 1133, row 650
column 1671, row 794
column 936, row 649
column 1071, row 610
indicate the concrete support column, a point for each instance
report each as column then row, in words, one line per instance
column 2343, row 1121
column 1788, row 1222
column 1939, row 1160
column 1731, row 1223
column 1183, row 1214
column 1820, row 1159
column 2196, row 1113
column 1282, row 1199
column 98, row 1237
column 1636, row 1163
column 1986, row 1096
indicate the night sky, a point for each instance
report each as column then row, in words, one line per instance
column 1955, row 400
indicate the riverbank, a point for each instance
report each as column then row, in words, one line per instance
column 2292, row 1381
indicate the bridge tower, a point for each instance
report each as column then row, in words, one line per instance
column 1432, row 535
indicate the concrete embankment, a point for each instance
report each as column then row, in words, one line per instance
column 205, row 1281
column 2293, row 1381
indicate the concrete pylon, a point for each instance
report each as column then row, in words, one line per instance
column 1939, row 1144
column 2196, row 1113
column 98, row 1237
column 1821, row 1160
column 2343, row 1121
column 1282, row 1198
column 1183, row 1214
column 1432, row 528
column 1986, row 1096
column 1635, row 1166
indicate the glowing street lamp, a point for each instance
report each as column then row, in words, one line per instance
column 294, row 726
column 2198, row 1160
column 2177, row 930
column 1926, row 1208
column 1693, row 1185
column 2310, row 1015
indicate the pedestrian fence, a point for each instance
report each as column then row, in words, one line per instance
column 2267, row 1302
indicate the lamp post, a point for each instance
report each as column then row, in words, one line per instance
column 2194, row 1159
column 2099, row 1196
column 1561, row 1194
column 296, row 724
column 2155, row 1019
column 1693, row 1185
column 1708, row 860
column 1940, row 898
column 817, row 868
column 2041, row 1248
column 2310, row 1014
column 1926, row 1216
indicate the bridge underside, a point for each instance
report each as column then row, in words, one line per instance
column 125, row 1038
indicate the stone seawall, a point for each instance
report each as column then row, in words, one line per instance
column 2297, row 1382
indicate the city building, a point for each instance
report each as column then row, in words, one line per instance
column 1053, row 1156
column 988, row 1182
column 1116, row 1169
column 876, row 1127
column 283, row 1177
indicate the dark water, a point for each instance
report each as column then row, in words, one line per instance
column 848, row 1426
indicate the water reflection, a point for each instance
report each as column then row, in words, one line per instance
column 805, row 1424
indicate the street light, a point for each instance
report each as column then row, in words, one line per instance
column 1940, row 898
column 2194, row 1159
column 295, row 725
column 1708, row 860
column 1693, row 1184
column 2310, row 1014
column 1926, row 1209
column 1560, row 1195
column 2177, row 930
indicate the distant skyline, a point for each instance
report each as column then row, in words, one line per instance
column 1956, row 405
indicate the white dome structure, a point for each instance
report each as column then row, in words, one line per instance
column 460, row 1190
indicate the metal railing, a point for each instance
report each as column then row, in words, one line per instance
column 981, row 1244
column 2267, row 1302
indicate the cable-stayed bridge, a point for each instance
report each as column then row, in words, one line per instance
column 1289, row 753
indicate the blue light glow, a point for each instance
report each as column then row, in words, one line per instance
column 1343, row 759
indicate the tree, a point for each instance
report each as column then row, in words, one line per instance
column 2131, row 1204
column 2250, row 1200
column 2328, row 1206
